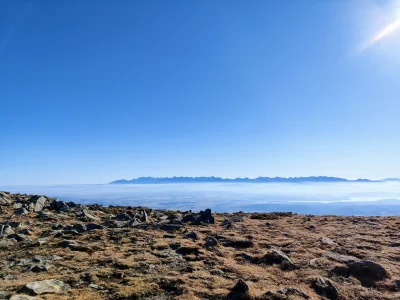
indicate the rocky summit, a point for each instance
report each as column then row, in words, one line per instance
column 53, row 249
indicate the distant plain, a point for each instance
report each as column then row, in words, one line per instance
column 349, row 198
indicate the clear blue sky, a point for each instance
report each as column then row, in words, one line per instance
column 93, row 91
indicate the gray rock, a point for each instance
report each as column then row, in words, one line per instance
column 74, row 246
column 231, row 220
column 62, row 206
column 328, row 241
column 4, row 295
column 121, row 224
column 40, row 268
column 122, row 217
column 170, row 227
column 278, row 257
column 80, row 227
column 20, row 211
column 37, row 203
column 342, row 258
column 5, row 198
column 23, row 297
column 5, row 230
column 88, row 215
column 202, row 217
column 17, row 205
column 51, row 286
column 192, row 235
column 326, row 288
column 211, row 242
column 26, row 231
column 287, row 292
column 8, row 244
column 143, row 216
column 92, row 226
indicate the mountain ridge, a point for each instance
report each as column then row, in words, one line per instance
column 202, row 179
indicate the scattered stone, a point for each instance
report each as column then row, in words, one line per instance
column 170, row 227
column 5, row 230
column 326, row 288
column 4, row 294
column 23, row 297
column 192, row 235
column 51, row 286
column 202, row 217
column 293, row 292
column 122, row 217
column 79, row 228
column 20, row 211
column 26, row 231
column 211, row 242
column 278, row 257
column 328, row 241
column 62, row 206
column 37, row 203
column 88, row 215
column 40, row 268
column 5, row 199
column 342, row 258
column 74, row 246
column 92, row 226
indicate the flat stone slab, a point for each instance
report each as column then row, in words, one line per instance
column 50, row 286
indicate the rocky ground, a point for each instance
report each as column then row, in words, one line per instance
column 51, row 249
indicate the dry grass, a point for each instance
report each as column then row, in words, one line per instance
column 129, row 263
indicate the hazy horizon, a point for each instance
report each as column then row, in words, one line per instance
column 348, row 198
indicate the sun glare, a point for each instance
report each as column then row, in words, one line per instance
column 383, row 21
column 388, row 29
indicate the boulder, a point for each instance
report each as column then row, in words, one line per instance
column 5, row 198
column 51, row 286
column 278, row 257
column 240, row 291
column 37, row 203
column 5, row 230
column 368, row 270
column 241, row 287
column 325, row 288
column 62, row 206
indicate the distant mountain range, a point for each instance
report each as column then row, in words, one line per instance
column 144, row 180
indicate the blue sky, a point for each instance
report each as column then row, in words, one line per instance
column 93, row 91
